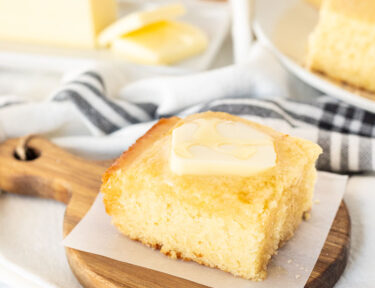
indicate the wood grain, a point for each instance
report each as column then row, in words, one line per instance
column 59, row 175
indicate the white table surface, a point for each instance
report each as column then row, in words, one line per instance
column 360, row 198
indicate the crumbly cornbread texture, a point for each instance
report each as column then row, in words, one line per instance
column 343, row 44
column 233, row 223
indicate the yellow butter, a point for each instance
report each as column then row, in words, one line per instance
column 137, row 20
column 69, row 23
column 161, row 43
column 218, row 147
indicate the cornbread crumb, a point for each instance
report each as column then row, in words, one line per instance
column 298, row 276
column 280, row 270
column 232, row 222
column 290, row 261
column 306, row 216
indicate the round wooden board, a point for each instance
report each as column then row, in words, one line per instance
column 59, row 175
column 98, row 271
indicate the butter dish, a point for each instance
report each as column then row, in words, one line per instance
column 213, row 19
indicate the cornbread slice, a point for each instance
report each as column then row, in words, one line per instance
column 231, row 222
column 343, row 44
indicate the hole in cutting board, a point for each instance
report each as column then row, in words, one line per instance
column 31, row 154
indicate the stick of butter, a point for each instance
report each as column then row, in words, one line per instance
column 137, row 20
column 68, row 23
column 220, row 147
column 161, row 43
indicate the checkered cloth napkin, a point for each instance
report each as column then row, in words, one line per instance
column 346, row 133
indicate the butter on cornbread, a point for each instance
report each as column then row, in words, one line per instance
column 342, row 45
column 233, row 219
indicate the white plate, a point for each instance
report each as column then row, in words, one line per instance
column 284, row 26
column 213, row 19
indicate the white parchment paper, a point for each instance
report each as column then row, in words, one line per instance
column 290, row 268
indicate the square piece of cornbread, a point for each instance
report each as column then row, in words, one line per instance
column 342, row 46
column 232, row 222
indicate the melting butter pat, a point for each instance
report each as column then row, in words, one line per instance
column 161, row 43
column 219, row 147
column 138, row 20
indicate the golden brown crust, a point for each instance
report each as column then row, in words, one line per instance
column 228, row 117
column 126, row 159
column 157, row 131
column 163, row 126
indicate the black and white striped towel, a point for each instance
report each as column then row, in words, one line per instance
column 346, row 133
column 92, row 115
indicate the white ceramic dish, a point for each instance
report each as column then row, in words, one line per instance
column 284, row 26
column 213, row 18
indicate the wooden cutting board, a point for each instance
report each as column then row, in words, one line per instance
column 51, row 172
